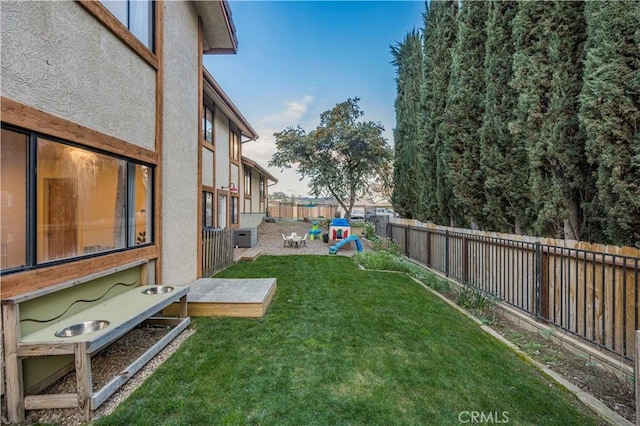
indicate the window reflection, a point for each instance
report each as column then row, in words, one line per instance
column 13, row 202
column 81, row 198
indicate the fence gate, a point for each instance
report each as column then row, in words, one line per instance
column 217, row 250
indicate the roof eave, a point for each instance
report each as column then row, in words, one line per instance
column 223, row 102
column 219, row 32
column 250, row 162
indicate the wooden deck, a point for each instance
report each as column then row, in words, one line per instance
column 245, row 254
column 227, row 297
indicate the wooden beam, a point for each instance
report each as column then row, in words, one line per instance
column 60, row 400
column 120, row 30
column 71, row 283
column 25, row 282
column 25, row 116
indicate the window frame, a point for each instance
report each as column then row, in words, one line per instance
column 204, row 208
column 128, row 25
column 31, row 261
column 247, row 181
column 207, row 107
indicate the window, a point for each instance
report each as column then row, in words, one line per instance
column 72, row 201
column 222, row 211
column 235, row 177
column 207, row 209
column 137, row 16
column 207, row 124
column 13, row 199
column 234, row 210
column 234, row 149
column 262, row 188
column 247, row 181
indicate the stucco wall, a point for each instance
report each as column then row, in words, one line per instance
column 58, row 58
column 180, row 145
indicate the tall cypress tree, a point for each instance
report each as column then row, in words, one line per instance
column 547, row 72
column 407, row 58
column 463, row 114
column 439, row 38
column 610, row 114
column 503, row 159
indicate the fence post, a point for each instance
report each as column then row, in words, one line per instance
column 637, row 375
column 406, row 241
column 446, row 252
column 465, row 259
column 428, row 248
column 538, row 262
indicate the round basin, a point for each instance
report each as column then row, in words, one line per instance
column 82, row 328
column 157, row 289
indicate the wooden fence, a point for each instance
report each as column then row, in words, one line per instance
column 290, row 211
column 588, row 290
column 217, row 250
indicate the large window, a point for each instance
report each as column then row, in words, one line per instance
column 247, row 181
column 234, row 145
column 207, row 124
column 61, row 201
column 235, row 214
column 13, row 201
column 262, row 187
column 207, row 209
column 137, row 16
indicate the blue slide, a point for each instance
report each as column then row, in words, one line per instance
column 334, row 248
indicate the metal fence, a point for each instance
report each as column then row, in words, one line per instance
column 588, row 290
column 217, row 250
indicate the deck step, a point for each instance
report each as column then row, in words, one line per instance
column 249, row 254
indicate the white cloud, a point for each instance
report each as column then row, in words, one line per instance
column 261, row 152
column 263, row 149
column 292, row 113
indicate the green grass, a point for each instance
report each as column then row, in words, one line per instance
column 339, row 345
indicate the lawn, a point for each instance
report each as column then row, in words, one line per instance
column 340, row 345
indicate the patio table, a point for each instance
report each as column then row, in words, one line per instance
column 295, row 239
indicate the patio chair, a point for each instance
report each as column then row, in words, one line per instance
column 303, row 241
column 286, row 241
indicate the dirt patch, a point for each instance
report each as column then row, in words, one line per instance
column 587, row 374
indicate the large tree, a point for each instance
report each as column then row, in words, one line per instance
column 439, row 39
column 407, row 58
column 610, row 114
column 463, row 114
column 339, row 157
column 503, row 159
column 547, row 73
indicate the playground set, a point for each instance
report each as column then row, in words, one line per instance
column 338, row 236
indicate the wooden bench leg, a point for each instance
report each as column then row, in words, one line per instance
column 13, row 365
column 183, row 306
column 83, row 380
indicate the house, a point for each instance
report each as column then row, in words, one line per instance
column 117, row 148
column 256, row 189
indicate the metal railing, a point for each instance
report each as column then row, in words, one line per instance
column 588, row 290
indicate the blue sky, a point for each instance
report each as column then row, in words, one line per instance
column 297, row 59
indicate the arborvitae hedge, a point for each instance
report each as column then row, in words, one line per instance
column 407, row 58
column 547, row 142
